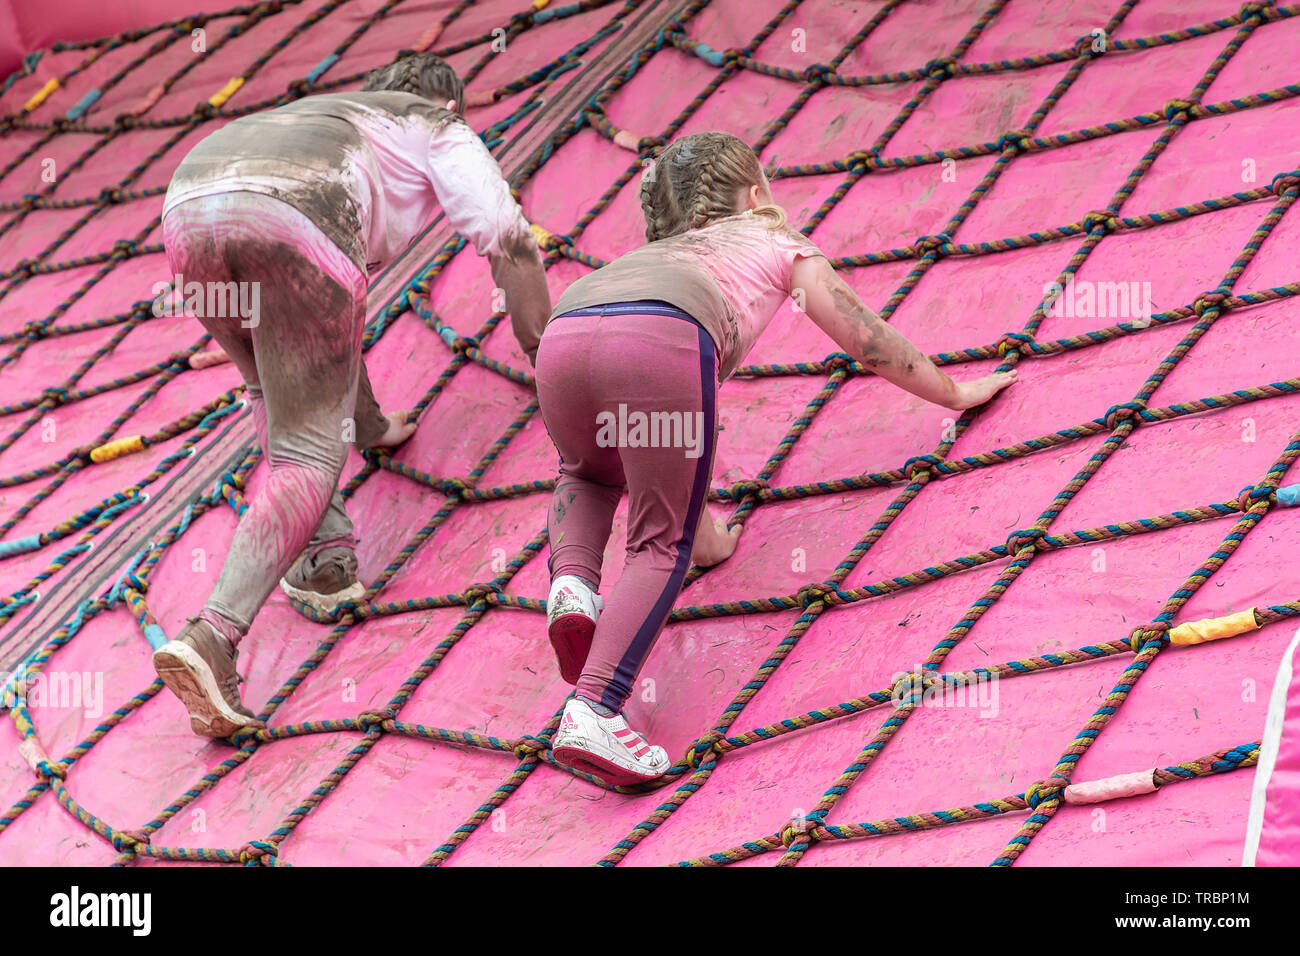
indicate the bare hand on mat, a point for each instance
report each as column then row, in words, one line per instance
column 980, row 390
column 714, row 541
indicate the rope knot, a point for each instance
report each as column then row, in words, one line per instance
column 910, row 684
column 255, row 851
column 529, row 746
column 1017, row 541
column 1284, row 181
column 919, row 465
column 1147, row 632
column 126, row 841
column 554, row 240
column 1251, row 495
column 111, row 194
column 122, row 249
column 29, row 201
column 1176, row 111
column 747, row 488
column 1084, row 46
column 136, row 583
column 50, row 770
column 25, row 268
column 240, row 738
column 480, row 592
column 1207, row 301
column 1100, row 220
column 701, row 749
column 797, row 830
column 943, row 66
column 817, row 74
column 925, row 245
column 454, row 487
column 60, row 124
column 1255, row 10
column 1017, row 140
column 299, row 87
column 1050, row 789
column 837, row 360
column 1015, row 342
column 827, row 592
column 371, row 720
column 204, row 111
column 1123, row 412
column 860, row 161
column 125, row 122
column 648, row 146
column 55, row 396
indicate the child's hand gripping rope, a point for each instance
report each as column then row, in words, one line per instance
column 401, row 426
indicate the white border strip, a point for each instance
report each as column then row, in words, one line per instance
column 1268, row 748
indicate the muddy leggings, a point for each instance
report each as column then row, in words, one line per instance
column 299, row 352
column 628, row 393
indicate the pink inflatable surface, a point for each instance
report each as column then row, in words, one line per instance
column 941, row 636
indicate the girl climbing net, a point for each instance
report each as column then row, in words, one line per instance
column 653, row 335
column 304, row 202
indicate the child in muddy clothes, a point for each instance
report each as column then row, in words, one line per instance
column 306, row 201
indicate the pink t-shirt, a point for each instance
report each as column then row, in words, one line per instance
column 731, row 276
column 370, row 169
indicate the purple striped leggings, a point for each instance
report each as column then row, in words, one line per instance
column 628, row 393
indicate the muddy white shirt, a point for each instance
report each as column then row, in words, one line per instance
column 370, row 169
column 731, row 276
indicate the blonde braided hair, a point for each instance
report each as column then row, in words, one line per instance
column 424, row 74
column 696, row 180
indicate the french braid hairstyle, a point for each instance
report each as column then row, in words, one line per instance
column 424, row 74
column 695, row 180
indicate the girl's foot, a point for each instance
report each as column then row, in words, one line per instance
column 199, row 668
column 606, row 747
column 324, row 580
column 571, row 613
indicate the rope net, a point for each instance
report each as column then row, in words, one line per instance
column 803, row 84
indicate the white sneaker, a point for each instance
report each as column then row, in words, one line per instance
column 606, row 747
column 571, row 613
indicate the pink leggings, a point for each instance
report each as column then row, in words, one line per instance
column 628, row 393
column 300, row 355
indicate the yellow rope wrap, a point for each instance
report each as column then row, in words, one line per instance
column 1213, row 628
column 118, row 448
column 541, row 235
column 41, row 96
column 218, row 99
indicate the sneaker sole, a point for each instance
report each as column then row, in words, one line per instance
column 190, row 678
column 326, row 603
column 571, row 636
column 588, row 761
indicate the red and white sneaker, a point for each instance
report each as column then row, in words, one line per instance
column 606, row 747
column 571, row 613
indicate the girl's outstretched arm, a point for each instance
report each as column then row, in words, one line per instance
column 517, row 271
column 836, row 309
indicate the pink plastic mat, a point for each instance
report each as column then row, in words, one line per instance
column 1125, row 484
